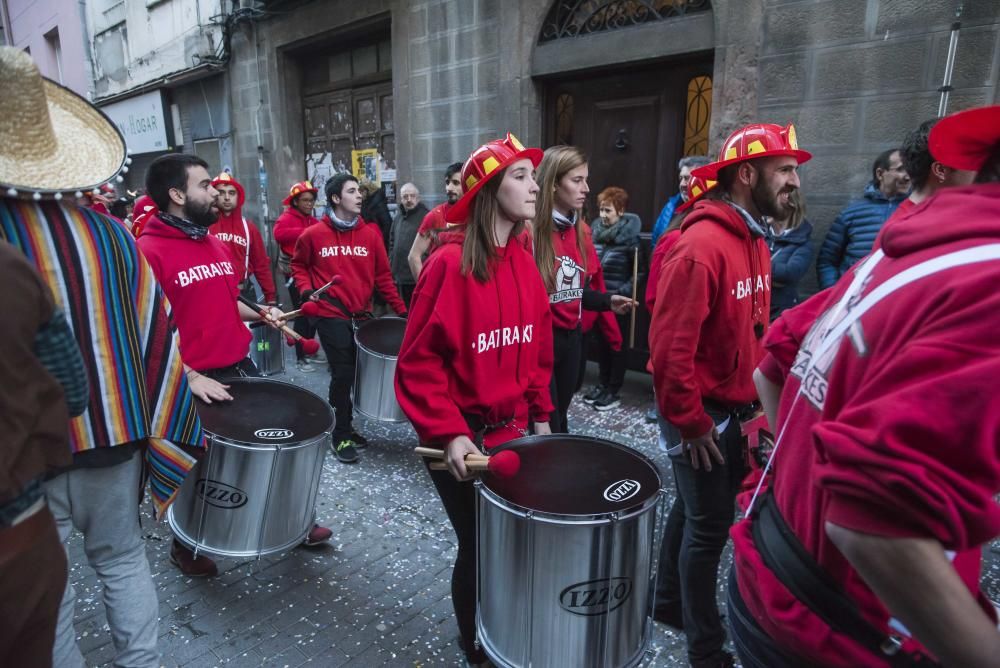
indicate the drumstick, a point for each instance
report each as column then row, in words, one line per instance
column 309, row 309
column 309, row 346
column 635, row 280
column 434, row 453
column 336, row 280
column 504, row 464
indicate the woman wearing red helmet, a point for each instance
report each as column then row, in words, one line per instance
column 475, row 363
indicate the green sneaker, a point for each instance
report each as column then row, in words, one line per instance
column 345, row 452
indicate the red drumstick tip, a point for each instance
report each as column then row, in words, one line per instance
column 310, row 309
column 505, row 464
column 336, row 280
column 289, row 341
column 310, row 346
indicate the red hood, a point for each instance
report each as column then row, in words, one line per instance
column 949, row 215
column 721, row 213
column 241, row 197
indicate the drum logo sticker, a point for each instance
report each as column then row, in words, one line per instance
column 595, row 597
column 623, row 490
column 221, row 495
column 274, row 434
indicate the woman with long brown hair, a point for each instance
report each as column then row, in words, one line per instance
column 565, row 257
column 474, row 367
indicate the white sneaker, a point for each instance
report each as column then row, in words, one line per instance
column 304, row 366
column 318, row 358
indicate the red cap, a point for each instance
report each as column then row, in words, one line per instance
column 486, row 162
column 759, row 140
column 966, row 139
column 297, row 189
column 697, row 187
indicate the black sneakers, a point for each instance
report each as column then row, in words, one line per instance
column 360, row 442
column 594, row 393
column 345, row 452
column 607, row 401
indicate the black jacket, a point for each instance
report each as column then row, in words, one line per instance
column 615, row 247
column 375, row 209
column 404, row 231
column 791, row 255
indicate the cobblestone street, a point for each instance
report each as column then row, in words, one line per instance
column 377, row 595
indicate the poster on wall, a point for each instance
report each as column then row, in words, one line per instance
column 319, row 168
column 364, row 163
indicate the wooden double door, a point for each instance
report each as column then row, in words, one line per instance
column 634, row 124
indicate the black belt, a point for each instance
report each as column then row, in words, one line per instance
column 742, row 412
column 480, row 427
column 796, row 569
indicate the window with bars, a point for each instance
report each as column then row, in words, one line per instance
column 571, row 18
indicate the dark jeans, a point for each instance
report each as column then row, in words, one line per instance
column 304, row 327
column 245, row 368
column 337, row 337
column 612, row 363
column 406, row 292
column 696, row 532
column 459, row 499
column 755, row 648
column 568, row 349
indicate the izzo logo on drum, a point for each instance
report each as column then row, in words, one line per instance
column 623, row 490
column 221, row 495
column 595, row 597
column 274, row 434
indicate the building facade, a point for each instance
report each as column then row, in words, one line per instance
column 50, row 31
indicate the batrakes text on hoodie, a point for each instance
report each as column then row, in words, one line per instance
column 200, row 272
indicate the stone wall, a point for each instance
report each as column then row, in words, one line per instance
column 855, row 76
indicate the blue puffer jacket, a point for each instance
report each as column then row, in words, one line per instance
column 851, row 236
column 791, row 255
column 663, row 220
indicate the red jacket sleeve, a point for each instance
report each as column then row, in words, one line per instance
column 683, row 296
column 300, row 263
column 260, row 264
column 383, row 276
column 539, row 392
column 785, row 335
column 915, row 451
column 421, row 376
column 286, row 229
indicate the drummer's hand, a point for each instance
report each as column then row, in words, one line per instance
column 704, row 449
column 542, row 429
column 622, row 305
column 454, row 456
column 275, row 317
column 207, row 389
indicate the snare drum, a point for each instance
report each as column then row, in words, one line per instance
column 254, row 491
column 378, row 344
column 267, row 350
column 566, row 554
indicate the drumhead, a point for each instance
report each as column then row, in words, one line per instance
column 575, row 475
column 268, row 412
column 383, row 336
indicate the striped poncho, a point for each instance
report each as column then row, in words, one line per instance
column 122, row 324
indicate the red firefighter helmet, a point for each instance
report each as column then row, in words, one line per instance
column 486, row 162
column 759, row 140
column 697, row 187
column 297, row 189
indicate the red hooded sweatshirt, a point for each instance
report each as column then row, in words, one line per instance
column 896, row 433
column 201, row 284
column 714, row 288
column 482, row 349
column 289, row 226
column 434, row 221
column 357, row 255
column 572, row 273
column 249, row 255
column 142, row 210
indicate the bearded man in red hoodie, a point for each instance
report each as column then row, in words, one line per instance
column 343, row 244
column 711, row 314
column 242, row 238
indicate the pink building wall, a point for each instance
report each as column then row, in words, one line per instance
column 34, row 25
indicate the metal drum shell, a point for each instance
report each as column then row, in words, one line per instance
column 374, row 394
column 267, row 350
column 247, row 497
column 539, row 570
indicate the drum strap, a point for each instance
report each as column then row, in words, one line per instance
column 480, row 427
column 342, row 307
column 796, row 569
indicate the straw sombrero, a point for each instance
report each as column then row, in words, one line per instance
column 52, row 141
